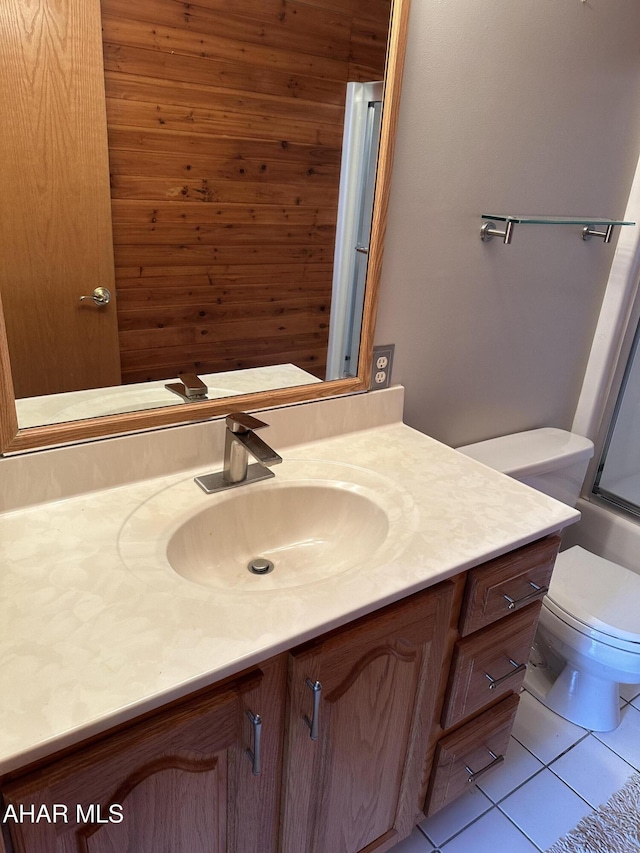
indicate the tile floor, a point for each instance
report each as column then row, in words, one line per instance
column 555, row 773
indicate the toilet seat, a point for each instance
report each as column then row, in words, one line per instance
column 597, row 597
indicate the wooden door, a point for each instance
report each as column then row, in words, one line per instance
column 55, row 214
column 358, row 785
column 171, row 784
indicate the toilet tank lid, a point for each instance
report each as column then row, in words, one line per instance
column 532, row 452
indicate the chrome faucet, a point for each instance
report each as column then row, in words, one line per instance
column 240, row 440
column 191, row 388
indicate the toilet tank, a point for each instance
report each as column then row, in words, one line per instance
column 551, row 460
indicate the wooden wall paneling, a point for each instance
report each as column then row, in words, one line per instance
column 218, row 191
column 158, row 139
column 195, row 317
column 183, row 67
column 255, row 172
column 194, row 254
column 213, row 45
column 219, row 288
column 305, row 350
column 228, row 216
column 290, row 26
column 299, row 320
column 225, row 133
column 242, row 108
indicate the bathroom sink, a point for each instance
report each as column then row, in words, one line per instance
column 306, row 530
column 313, row 521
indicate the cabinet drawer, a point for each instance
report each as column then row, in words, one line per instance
column 465, row 755
column 506, row 584
column 489, row 664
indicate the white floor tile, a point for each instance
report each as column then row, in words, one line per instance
column 592, row 770
column 491, row 833
column 415, row 843
column 629, row 691
column 451, row 819
column 518, row 766
column 625, row 740
column 542, row 732
column 544, row 808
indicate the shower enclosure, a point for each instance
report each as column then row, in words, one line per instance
column 363, row 115
column 618, row 478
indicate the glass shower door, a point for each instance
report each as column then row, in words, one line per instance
column 618, row 477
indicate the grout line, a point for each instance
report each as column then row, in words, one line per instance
column 633, row 766
column 425, row 834
column 475, row 820
column 567, row 785
column 569, row 748
column 519, row 828
column 521, row 785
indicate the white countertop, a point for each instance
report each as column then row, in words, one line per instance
column 94, row 402
column 85, row 642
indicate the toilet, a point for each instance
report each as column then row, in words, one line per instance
column 588, row 639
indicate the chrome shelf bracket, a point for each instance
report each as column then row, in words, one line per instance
column 589, row 231
column 489, row 231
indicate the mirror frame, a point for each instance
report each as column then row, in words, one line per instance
column 13, row 439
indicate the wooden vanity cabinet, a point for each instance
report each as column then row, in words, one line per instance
column 355, row 761
column 364, row 730
column 178, row 782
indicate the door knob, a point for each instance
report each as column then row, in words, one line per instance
column 100, row 296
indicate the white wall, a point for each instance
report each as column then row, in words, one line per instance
column 516, row 106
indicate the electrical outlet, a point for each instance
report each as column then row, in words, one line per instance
column 381, row 366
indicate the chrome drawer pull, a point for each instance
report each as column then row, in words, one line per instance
column 314, row 722
column 497, row 759
column 495, row 682
column 255, row 756
column 537, row 592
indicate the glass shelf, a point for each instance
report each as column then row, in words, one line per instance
column 555, row 220
column 589, row 224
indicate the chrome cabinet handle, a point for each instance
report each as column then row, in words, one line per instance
column 494, row 682
column 516, row 602
column 255, row 755
column 497, row 759
column 100, row 296
column 314, row 722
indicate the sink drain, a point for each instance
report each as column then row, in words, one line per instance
column 260, row 566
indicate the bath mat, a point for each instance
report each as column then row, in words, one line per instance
column 612, row 828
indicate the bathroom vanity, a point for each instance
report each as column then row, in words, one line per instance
column 321, row 712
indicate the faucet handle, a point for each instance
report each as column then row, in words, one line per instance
column 241, row 422
column 190, row 388
column 193, row 385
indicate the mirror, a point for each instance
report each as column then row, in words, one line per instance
column 59, row 226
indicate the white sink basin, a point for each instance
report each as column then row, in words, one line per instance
column 313, row 521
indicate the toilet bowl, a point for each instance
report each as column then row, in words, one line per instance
column 588, row 638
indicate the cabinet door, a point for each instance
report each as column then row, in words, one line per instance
column 358, row 784
column 165, row 785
